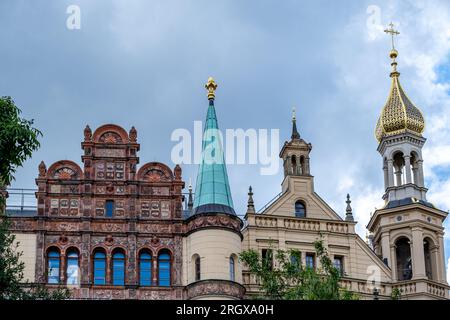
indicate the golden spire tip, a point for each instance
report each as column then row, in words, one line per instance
column 211, row 86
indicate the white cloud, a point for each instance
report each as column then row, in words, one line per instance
column 448, row 270
column 424, row 45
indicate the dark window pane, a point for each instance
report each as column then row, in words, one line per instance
column 109, row 208
column 99, row 268
column 164, row 270
column 338, row 264
column 53, row 264
column 300, row 210
column 232, row 269
column 118, row 272
column 145, row 267
column 310, row 263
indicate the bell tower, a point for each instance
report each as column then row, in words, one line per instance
column 408, row 231
column 295, row 155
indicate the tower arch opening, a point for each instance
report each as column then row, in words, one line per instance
column 403, row 258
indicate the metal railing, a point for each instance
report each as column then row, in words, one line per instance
column 21, row 200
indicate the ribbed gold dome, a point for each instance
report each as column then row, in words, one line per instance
column 399, row 114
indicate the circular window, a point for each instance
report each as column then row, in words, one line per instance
column 399, row 218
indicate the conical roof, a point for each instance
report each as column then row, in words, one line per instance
column 212, row 192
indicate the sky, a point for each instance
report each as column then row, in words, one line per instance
column 145, row 63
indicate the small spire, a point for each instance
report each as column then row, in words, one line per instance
column 190, row 200
column 132, row 134
column 211, row 86
column 87, row 133
column 394, row 53
column 295, row 134
column 349, row 211
column 42, row 169
column 250, row 203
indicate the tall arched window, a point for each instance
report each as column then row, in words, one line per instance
column 294, row 165
column 300, row 209
column 118, row 268
column 164, row 269
column 232, row 269
column 99, row 268
column 53, row 265
column 403, row 255
column 197, row 268
column 145, row 268
column 72, row 267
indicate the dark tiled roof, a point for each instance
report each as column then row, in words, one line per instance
column 407, row 201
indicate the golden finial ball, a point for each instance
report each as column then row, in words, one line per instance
column 393, row 54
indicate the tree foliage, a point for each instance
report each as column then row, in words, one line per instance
column 290, row 280
column 13, row 285
column 18, row 140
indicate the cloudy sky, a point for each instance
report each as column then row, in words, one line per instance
column 144, row 63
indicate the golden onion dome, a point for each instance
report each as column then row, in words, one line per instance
column 399, row 115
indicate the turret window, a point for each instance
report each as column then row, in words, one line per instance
column 197, row 268
column 300, row 210
column 232, row 269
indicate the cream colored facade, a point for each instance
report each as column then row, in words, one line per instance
column 214, row 247
column 277, row 227
column 27, row 245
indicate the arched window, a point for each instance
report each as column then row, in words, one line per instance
column 197, row 268
column 99, row 268
column 53, row 265
column 232, row 269
column 403, row 255
column 302, row 165
column 145, row 268
column 164, row 269
column 300, row 210
column 399, row 168
column 118, row 268
column 72, row 267
column 294, row 165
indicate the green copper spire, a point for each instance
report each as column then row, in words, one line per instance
column 212, row 192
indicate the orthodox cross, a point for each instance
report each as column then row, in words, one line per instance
column 393, row 33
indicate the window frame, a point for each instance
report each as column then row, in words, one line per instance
column 197, row 268
column 68, row 259
column 232, row 266
column 121, row 259
column 341, row 263
column 105, row 266
column 297, row 213
column 54, row 259
column 107, row 208
column 313, row 256
column 150, row 270
column 169, row 271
